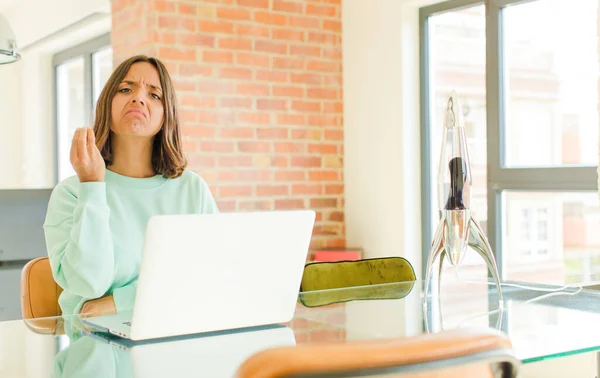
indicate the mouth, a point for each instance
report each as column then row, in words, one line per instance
column 136, row 113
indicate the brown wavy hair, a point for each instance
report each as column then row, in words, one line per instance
column 167, row 151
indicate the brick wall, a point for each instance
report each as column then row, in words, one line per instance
column 260, row 87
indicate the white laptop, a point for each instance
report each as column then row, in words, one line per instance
column 214, row 272
column 214, row 355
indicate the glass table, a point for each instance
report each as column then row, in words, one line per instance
column 551, row 328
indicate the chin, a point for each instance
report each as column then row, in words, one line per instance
column 135, row 129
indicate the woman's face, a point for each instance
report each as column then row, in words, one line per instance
column 137, row 108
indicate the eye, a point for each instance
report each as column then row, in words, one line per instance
column 124, row 90
column 155, row 96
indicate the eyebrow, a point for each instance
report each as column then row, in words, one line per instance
column 134, row 83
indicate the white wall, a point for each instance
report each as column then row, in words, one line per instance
column 381, row 128
column 27, row 149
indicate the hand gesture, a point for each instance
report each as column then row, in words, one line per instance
column 85, row 156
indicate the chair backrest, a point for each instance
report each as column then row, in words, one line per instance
column 457, row 353
column 39, row 291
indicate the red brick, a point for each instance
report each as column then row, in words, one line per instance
column 289, row 148
column 162, row 7
column 176, row 23
column 325, row 66
column 288, row 6
column 305, row 22
column 255, row 205
column 233, row 14
column 291, row 119
column 235, row 43
column 187, row 9
column 225, row 206
column 289, row 204
column 303, row 161
column 300, row 189
column 215, row 87
column 195, row 39
column 306, row 78
column 196, row 160
column 290, row 175
column 254, row 118
column 334, row 134
column 272, row 133
column 270, row 104
column 323, row 176
column 236, row 133
column 254, row 3
column 235, row 73
column 214, row 146
column 252, row 89
column 218, row 57
column 254, row 147
column 270, row 18
column 335, row 243
column 271, row 47
column 189, row 145
column 236, row 102
column 189, row 115
column 235, row 161
column 333, row 53
column 332, row 25
column 333, row 107
column 225, row 176
column 310, row 134
column 272, row 190
column 324, row 38
column 288, row 35
column 322, row 149
column 279, row 161
column 288, row 91
column 322, row 93
column 178, row 54
column 253, row 59
column 235, row 191
column 323, row 202
column 278, row 77
column 322, row 120
column 215, row 27
column 334, row 189
column 321, row 10
column 196, row 101
column 305, row 51
column 193, row 69
column 252, row 30
column 288, row 63
column 306, row 106
column 198, row 131
column 336, row 216
column 165, row 37
column 254, row 175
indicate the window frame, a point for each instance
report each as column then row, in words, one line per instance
column 499, row 177
column 85, row 50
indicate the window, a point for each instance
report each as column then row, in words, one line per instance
column 80, row 75
column 530, row 103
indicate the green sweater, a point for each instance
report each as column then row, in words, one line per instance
column 95, row 231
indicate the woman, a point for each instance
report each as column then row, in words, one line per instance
column 129, row 167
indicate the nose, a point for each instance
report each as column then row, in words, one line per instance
column 138, row 97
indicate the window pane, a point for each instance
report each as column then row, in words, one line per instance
column 551, row 63
column 457, row 62
column 70, row 110
column 551, row 237
column 101, row 70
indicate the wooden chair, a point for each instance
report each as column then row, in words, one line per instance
column 39, row 296
column 461, row 353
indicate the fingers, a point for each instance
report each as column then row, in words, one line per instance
column 82, row 144
column 74, row 146
column 91, row 142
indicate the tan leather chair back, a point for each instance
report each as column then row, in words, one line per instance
column 39, row 291
column 459, row 353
